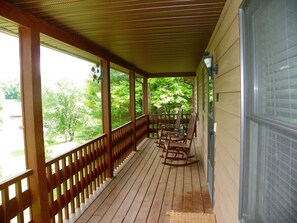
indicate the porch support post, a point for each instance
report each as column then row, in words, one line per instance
column 106, row 116
column 132, row 107
column 32, row 120
column 145, row 96
column 145, row 103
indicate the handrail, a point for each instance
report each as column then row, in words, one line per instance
column 141, row 116
column 14, row 179
column 122, row 126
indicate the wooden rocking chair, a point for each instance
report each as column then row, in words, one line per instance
column 167, row 131
column 179, row 150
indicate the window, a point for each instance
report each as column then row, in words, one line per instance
column 269, row 134
column 203, row 90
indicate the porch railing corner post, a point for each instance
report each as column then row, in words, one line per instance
column 32, row 121
column 132, row 108
column 145, row 103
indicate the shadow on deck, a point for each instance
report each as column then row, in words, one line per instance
column 144, row 190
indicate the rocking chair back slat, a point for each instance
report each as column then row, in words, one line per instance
column 165, row 132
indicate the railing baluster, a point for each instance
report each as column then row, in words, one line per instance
column 58, row 191
column 71, row 182
column 18, row 189
column 77, row 186
column 65, row 194
column 5, row 199
column 81, row 176
column 50, row 187
column 96, row 164
column 93, row 166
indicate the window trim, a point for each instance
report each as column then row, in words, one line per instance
column 203, row 90
column 248, row 114
column 242, row 110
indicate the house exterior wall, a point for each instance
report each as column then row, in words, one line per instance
column 225, row 48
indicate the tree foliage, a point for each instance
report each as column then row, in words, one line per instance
column 167, row 95
column 120, row 99
column 93, row 104
column 77, row 113
column 63, row 110
column 11, row 89
column 138, row 96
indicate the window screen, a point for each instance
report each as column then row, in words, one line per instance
column 269, row 148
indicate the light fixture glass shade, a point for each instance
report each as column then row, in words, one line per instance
column 97, row 72
column 207, row 61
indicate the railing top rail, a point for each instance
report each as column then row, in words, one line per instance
column 122, row 126
column 14, row 179
column 142, row 116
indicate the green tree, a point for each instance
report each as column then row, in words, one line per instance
column 167, row 95
column 93, row 103
column 138, row 96
column 11, row 89
column 120, row 99
column 63, row 110
column 119, row 91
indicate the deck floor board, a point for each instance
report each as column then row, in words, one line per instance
column 144, row 190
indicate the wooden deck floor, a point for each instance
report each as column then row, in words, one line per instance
column 144, row 190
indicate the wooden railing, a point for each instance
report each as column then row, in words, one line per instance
column 74, row 176
column 154, row 121
column 122, row 143
column 71, row 177
column 15, row 198
column 141, row 128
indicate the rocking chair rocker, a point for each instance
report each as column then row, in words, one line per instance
column 179, row 150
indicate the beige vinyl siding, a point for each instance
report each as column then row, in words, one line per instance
column 224, row 46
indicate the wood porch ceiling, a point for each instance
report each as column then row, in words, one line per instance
column 155, row 36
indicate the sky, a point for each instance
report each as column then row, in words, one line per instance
column 54, row 65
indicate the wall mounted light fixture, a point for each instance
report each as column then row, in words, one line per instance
column 97, row 72
column 208, row 61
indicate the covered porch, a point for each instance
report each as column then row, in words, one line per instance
column 141, row 190
column 145, row 190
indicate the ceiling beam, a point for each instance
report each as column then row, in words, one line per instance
column 172, row 74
